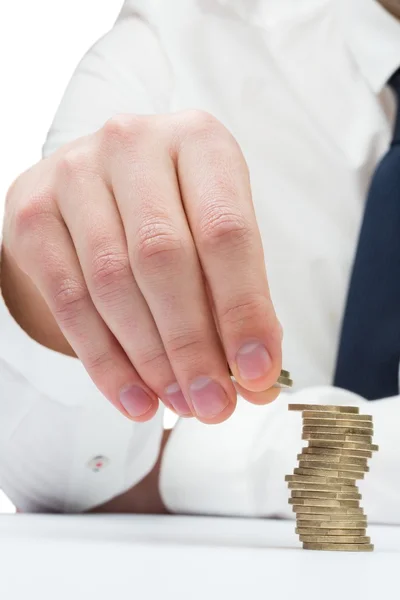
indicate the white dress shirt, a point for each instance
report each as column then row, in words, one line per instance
column 302, row 86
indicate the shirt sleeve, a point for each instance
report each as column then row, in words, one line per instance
column 112, row 79
column 63, row 447
column 238, row 468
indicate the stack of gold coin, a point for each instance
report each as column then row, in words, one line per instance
column 324, row 494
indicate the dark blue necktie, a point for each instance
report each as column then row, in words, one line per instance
column 369, row 349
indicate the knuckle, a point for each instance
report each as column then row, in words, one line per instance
column 69, row 301
column 109, row 270
column 124, row 129
column 33, row 212
column 73, row 163
column 187, row 346
column 200, row 123
column 158, row 246
column 100, row 362
column 155, row 359
column 219, row 229
column 244, row 311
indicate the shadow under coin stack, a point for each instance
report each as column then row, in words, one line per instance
column 324, row 494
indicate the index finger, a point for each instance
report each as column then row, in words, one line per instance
column 215, row 187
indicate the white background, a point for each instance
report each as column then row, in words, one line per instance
column 41, row 42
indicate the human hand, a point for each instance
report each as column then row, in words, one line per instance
column 143, row 242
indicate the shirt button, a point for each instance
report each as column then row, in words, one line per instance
column 97, row 463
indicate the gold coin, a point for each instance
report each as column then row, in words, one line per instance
column 325, row 408
column 336, row 424
column 327, row 464
column 343, row 539
column 350, row 475
column 332, row 510
column 345, row 445
column 325, row 494
column 337, row 452
column 328, row 532
column 309, row 414
column 324, row 502
column 283, row 380
column 317, row 479
column 334, row 437
column 330, row 420
column 342, row 520
column 323, row 487
column 339, row 547
column 333, row 458
column 338, row 430
column 325, row 525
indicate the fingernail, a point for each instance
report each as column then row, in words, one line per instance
column 135, row 401
column 253, row 361
column 208, row 397
column 175, row 397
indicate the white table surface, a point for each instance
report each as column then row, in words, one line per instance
column 102, row 557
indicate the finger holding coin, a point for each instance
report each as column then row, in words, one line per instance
column 267, row 396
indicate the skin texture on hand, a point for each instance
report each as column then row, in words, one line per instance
column 137, row 250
